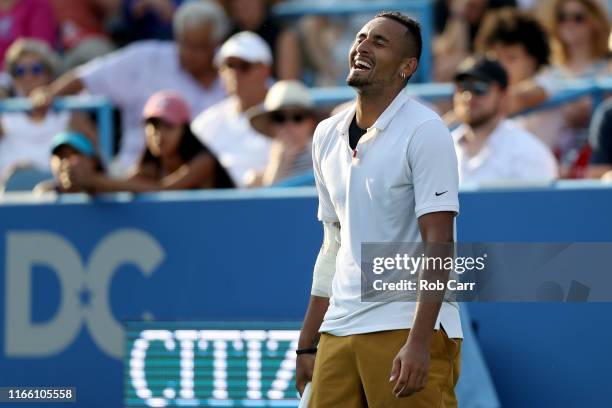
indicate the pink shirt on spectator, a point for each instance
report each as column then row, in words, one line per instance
column 27, row 18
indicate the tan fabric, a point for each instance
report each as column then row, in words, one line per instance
column 353, row 371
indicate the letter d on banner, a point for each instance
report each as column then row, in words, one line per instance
column 24, row 250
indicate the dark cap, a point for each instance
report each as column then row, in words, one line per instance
column 484, row 69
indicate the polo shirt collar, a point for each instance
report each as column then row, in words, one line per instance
column 383, row 120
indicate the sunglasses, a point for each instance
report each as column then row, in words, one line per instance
column 239, row 66
column 477, row 88
column 574, row 17
column 281, row 117
column 21, row 70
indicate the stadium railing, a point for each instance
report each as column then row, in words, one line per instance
column 97, row 104
column 421, row 10
column 569, row 91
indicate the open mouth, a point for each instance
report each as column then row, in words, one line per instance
column 362, row 65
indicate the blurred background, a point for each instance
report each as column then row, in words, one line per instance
column 199, row 115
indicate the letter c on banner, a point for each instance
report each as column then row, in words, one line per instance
column 117, row 249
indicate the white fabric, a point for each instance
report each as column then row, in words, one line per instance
column 128, row 77
column 247, row 46
column 402, row 161
column 24, row 140
column 325, row 266
column 510, row 154
column 549, row 125
column 229, row 135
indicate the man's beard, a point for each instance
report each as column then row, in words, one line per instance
column 364, row 83
column 358, row 82
column 483, row 119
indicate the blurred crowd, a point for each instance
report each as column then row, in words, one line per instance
column 215, row 93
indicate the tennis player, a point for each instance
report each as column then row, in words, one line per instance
column 385, row 171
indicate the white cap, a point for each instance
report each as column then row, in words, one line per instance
column 247, row 46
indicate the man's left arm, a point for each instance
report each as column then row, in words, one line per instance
column 432, row 166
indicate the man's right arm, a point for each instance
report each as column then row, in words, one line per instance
column 67, row 84
column 323, row 274
column 114, row 75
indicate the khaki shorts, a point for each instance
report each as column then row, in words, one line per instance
column 353, row 371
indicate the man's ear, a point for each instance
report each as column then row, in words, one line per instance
column 505, row 100
column 409, row 66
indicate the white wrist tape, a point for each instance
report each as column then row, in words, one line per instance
column 325, row 266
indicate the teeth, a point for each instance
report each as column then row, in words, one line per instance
column 362, row 64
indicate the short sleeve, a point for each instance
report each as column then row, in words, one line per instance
column 116, row 74
column 548, row 82
column 432, row 164
column 600, row 135
column 326, row 211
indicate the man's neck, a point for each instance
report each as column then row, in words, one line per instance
column 245, row 102
column 206, row 77
column 370, row 105
column 476, row 137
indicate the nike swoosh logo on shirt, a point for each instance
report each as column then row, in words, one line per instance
column 439, row 194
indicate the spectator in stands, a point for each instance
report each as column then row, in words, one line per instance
column 254, row 15
column 26, row 18
column 82, row 28
column 580, row 32
column 128, row 77
column 173, row 160
column 245, row 65
column 600, row 138
column 25, row 137
column 149, row 19
column 69, row 148
column 288, row 117
column 457, row 23
column 489, row 147
column 520, row 43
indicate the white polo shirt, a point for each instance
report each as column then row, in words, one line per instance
column 228, row 133
column 510, row 154
column 402, row 161
column 129, row 76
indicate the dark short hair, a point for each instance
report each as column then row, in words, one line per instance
column 413, row 29
column 189, row 147
column 511, row 27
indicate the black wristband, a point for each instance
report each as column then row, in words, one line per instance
column 312, row 350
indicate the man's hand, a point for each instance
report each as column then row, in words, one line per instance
column 80, row 174
column 410, row 368
column 41, row 98
column 303, row 371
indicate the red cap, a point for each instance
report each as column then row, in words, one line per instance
column 168, row 106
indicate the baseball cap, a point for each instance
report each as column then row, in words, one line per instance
column 168, row 106
column 484, row 69
column 76, row 140
column 247, row 46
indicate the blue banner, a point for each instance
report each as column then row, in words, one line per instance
column 73, row 271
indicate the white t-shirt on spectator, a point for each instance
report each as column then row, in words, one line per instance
column 549, row 125
column 26, row 141
column 545, row 124
column 229, row 136
column 403, row 161
column 510, row 154
column 128, row 77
